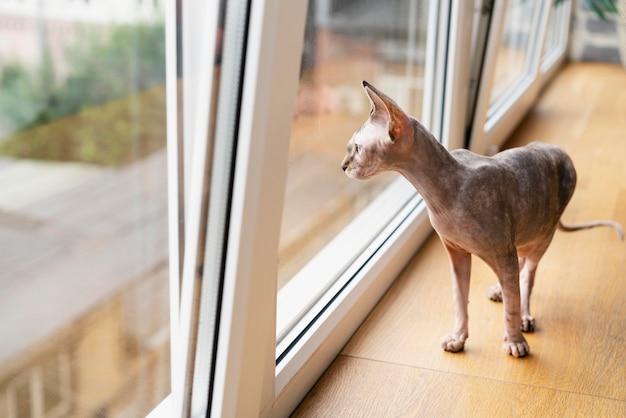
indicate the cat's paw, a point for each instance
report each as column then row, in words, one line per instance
column 495, row 293
column 453, row 342
column 528, row 323
column 517, row 347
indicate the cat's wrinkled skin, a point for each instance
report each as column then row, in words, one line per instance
column 504, row 209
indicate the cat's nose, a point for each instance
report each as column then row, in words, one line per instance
column 344, row 167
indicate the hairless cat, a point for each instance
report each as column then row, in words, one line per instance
column 503, row 209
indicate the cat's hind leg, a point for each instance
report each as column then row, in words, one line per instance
column 495, row 292
column 528, row 268
column 506, row 266
column 527, row 281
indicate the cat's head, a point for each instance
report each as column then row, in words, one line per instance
column 380, row 141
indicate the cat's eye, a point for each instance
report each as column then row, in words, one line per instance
column 358, row 148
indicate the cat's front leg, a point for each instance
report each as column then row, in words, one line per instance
column 461, row 264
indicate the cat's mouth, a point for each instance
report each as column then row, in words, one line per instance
column 349, row 172
column 354, row 174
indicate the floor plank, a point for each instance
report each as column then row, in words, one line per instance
column 394, row 366
column 346, row 390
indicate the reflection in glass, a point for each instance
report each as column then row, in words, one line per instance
column 345, row 42
column 511, row 62
column 83, row 209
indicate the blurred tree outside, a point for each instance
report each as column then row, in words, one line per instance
column 109, row 109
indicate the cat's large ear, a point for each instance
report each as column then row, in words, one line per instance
column 386, row 112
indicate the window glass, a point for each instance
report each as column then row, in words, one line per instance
column 329, row 219
column 345, row 42
column 511, row 62
column 83, row 208
column 556, row 35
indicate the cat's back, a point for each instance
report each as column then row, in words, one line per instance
column 469, row 158
column 539, row 169
column 537, row 161
column 543, row 171
column 536, row 153
column 533, row 159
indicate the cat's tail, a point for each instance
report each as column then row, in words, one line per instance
column 593, row 224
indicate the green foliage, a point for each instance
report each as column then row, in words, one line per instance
column 21, row 96
column 131, row 59
column 97, row 114
column 602, row 7
column 112, row 134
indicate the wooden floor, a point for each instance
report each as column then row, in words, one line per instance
column 394, row 366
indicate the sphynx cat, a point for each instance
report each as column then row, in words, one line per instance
column 504, row 209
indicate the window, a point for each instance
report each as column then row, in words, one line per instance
column 328, row 220
column 340, row 47
column 513, row 54
column 556, row 38
column 511, row 76
column 83, row 209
